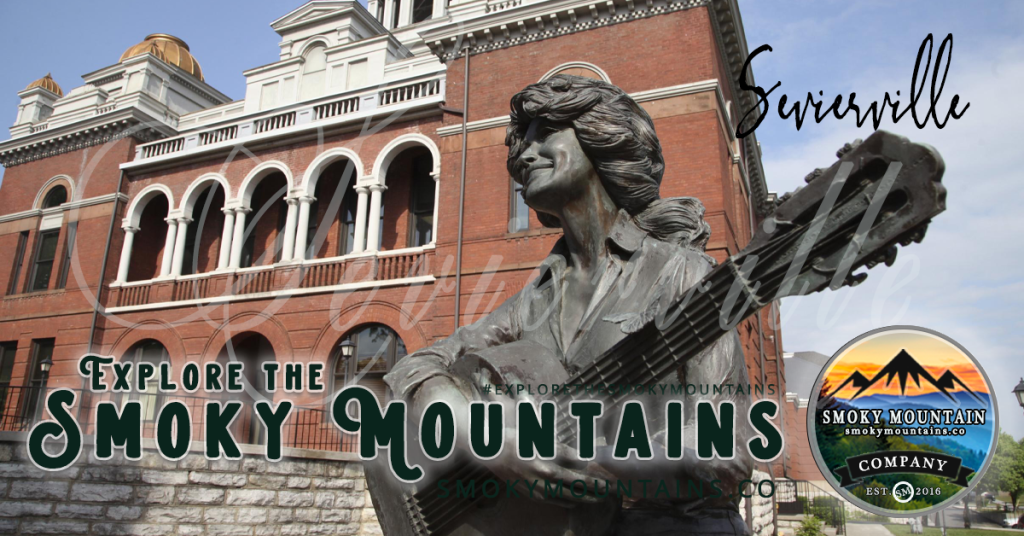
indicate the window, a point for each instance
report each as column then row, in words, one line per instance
column 7, row 352
column 19, row 259
column 55, row 197
column 519, row 213
column 42, row 350
column 347, row 227
column 46, row 249
column 69, row 248
column 421, row 209
column 395, row 10
column 314, row 73
column 377, row 349
column 148, row 351
column 421, row 10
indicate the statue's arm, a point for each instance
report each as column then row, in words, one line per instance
column 501, row 326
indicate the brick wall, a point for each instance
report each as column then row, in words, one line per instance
column 318, row 494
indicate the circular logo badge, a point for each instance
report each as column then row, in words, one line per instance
column 902, row 422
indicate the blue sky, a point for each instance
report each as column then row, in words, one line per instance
column 964, row 280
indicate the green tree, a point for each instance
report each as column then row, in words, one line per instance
column 1006, row 472
column 1013, row 479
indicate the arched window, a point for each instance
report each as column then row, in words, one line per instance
column 154, row 353
column 376, row 349
column 421, row 202
column 314, row 73
column 56, row 197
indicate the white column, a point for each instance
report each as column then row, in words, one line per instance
column 373, row 229
column 179, row 246
column 126, row 253
column 289, row 230
column 360, row 234
column 437, row 202
column 238, row 240
column 389, row 6
column 438, row 11
column 405, row 13
column 303, row 229
column 225, row 238
column 165, row 263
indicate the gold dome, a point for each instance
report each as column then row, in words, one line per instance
column 169, row 49
column 48, row 84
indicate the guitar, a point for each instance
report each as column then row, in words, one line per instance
column 881, row 192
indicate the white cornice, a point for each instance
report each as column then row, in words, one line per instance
column 639, row 96
column 66, row 207
column 539, row 21
column 80, row 134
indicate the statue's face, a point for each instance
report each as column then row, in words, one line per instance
column 553, row 167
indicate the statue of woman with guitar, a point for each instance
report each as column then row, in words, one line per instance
column 615, row 303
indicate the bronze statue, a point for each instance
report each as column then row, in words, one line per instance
column 616, row 290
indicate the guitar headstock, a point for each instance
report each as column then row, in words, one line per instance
column 880, row 193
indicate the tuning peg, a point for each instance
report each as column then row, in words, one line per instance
column 848, row 147
column 853, row 280
column 813, row 175
column 890, row 255
column 918, row 235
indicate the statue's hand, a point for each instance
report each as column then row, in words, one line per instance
column 581, row 482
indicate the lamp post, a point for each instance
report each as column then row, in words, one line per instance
column 44, row 377
column 1019, row 392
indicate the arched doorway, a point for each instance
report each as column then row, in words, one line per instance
column 203, row 235
column 148, row 249
column 332, row 220
column 375, row 349
column 264, row 231
column 252, row 350
column 407, row 216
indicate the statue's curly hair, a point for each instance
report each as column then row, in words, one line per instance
column 618, row 136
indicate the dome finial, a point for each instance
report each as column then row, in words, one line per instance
column 48, row 84
column 168, row 48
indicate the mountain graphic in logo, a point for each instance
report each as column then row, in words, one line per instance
column 904, row 366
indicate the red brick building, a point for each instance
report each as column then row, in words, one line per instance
column 324, row 205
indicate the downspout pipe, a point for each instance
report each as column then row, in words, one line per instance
column 462, row 192
column 103, row 263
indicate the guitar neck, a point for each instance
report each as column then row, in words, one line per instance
column 656, row 350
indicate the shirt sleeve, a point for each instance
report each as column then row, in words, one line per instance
column 501, row 326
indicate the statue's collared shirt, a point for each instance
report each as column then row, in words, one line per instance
column 641, row 277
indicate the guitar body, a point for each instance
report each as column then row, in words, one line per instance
column 412, row 509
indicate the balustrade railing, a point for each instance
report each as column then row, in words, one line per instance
column 385, row 266
column 327, row 109
column 219, row 135
column 273, row 123
column 191, row 289
column 161, row 148
column 402, row 266
column 418, row 90
column 339, row 107
column 133, row 295
column 255, row 282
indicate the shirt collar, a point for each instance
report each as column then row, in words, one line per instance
column 625, row 237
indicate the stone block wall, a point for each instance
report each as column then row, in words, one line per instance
column 309, row 492
column 762, row 508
